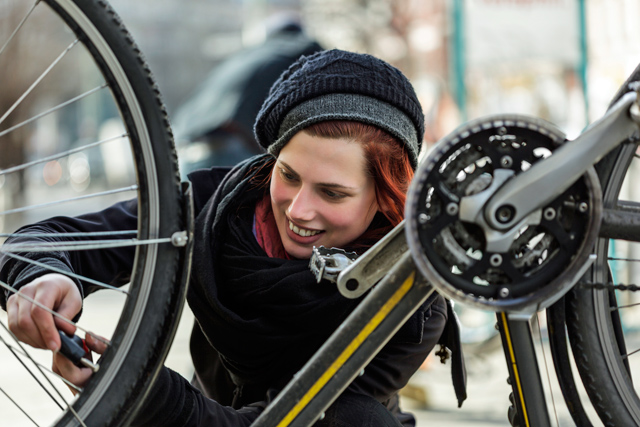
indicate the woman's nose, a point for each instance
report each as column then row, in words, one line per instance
column 302, row 206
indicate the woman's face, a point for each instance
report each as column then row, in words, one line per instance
column 320, row 193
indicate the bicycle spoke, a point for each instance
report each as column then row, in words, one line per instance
column 67, row 273
column 20, row 352
column 37, row 365
column 18, row 406
column 68, row 406
column 46, row 389
column 70, row 199
column 51, row 110
column 624, row 306
column 84, row 119
column 626, row 356
column 60, row 155
column 26, row 17
column 73, row 234
column 78, row 245
column 38, row 80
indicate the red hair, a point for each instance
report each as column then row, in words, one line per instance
column 387, row 162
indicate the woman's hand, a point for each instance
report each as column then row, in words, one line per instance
column 35, row 326
column 78, row 376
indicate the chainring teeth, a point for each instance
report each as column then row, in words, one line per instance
column 452, row 253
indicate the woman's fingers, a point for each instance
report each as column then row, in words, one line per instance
column 51, row 291
column 72, row 373
column 35, row 325
column 30, row 319
column 68, row 304
column 43, row 319
column 96, row 343
column 20, row 321
column 66, row 369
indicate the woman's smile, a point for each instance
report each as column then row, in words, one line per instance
column 301, row 231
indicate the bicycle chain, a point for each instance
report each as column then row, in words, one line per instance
column 602, row 286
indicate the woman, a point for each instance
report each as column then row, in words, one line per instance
column 343, row 132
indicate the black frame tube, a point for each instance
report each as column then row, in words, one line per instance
column 621, row 223
column 524, row 372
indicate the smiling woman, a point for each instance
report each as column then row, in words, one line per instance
column 321, row 194
column 343, row 132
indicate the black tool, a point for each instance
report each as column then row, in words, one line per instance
column 74, row 349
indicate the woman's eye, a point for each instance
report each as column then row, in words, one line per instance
column 333, row 195
column 287, row 176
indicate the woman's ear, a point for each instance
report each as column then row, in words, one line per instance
column 382, row 206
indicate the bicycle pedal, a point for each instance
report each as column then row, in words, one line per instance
column 327, row 263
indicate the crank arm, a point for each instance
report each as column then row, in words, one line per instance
column 371, row 266
column 550, row 177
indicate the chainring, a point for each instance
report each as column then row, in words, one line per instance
column 523, row 269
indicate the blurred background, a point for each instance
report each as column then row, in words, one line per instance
column 214, row 60
column 560, row 60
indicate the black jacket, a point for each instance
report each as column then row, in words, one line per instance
column 239, row 358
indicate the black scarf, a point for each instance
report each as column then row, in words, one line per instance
column 265, row 316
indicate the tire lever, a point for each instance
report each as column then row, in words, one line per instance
column 74, row 349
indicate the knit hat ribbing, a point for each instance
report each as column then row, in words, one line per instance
column 394, row 107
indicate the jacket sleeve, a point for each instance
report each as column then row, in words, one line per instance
column 403, row 355
column 174, row 402
column 110, row 266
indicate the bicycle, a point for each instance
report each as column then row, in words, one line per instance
column 451, row 244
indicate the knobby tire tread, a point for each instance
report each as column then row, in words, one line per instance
column 588, row 358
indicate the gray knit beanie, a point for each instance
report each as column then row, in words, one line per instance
column 340, row 85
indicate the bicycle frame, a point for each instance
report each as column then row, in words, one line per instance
column 381, row 313
column 346, row 353
column 402, row 289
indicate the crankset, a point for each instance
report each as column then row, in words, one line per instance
column 524, row 268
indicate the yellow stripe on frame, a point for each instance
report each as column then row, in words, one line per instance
column 515, row 368
column 348, row 352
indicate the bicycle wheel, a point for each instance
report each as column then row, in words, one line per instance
column 602, row 325
column 80, row 115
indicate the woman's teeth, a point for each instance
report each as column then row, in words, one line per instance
column 302, row 232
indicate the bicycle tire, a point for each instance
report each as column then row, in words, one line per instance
column 593, row 326
column 149, row 317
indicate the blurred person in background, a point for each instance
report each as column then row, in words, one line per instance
column 215, row 126
column 342, row 133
